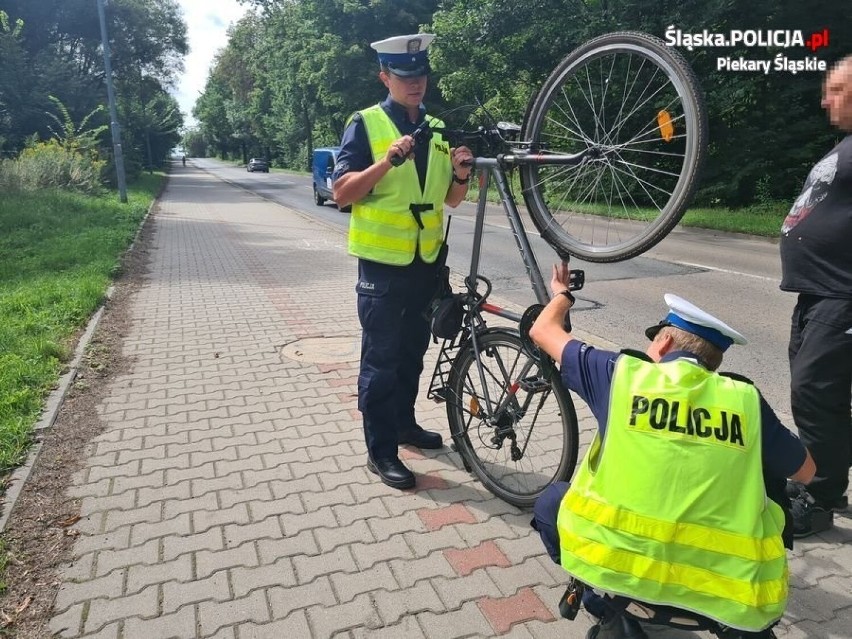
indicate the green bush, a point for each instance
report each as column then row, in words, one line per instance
column 47, row 165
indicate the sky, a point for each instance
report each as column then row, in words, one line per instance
column 207, row 22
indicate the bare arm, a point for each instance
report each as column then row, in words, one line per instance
column 806, row 471
column 547, row 331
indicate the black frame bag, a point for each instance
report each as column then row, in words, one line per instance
column 445, row 312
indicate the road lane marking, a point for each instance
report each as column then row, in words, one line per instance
column 729, row 271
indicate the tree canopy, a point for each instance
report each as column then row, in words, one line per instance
column 51, row 54
column 294, row 70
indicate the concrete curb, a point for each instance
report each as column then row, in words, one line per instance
column 54, row 402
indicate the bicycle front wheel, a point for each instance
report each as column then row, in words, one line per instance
column 517, row 430
column 638, row 104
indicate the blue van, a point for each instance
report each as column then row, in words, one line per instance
column 322, row 166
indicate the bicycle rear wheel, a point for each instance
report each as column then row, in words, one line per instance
column 637, row 102
column 517, row 431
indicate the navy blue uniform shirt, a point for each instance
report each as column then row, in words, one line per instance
column 355, row 153
column 588, row 372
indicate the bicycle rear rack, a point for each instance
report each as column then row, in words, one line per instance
column 439, row 387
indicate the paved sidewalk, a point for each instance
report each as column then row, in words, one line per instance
column 228, row 496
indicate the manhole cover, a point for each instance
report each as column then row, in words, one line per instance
column 324, row 350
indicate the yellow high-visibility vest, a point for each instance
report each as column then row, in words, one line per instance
column 382, row 227
column 670, row 507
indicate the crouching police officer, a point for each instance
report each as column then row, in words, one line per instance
column 397, row 189
column 669, row 510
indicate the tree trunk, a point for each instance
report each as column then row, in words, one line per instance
column 148, row 146
column 309, row 131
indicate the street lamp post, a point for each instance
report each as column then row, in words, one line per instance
column 113, row 111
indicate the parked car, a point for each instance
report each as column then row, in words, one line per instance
column 257, row 164
column 322, row 167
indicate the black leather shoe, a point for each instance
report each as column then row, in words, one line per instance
column 392, row 472
column 616, row 627
column 421, row 438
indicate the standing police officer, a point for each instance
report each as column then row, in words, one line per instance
column 669, row 508
column 397, row 188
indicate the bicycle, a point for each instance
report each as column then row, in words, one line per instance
column 510, row 418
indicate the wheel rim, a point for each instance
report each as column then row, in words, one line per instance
column 634, row 105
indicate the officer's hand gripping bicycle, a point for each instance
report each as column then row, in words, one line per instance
column 608, row 156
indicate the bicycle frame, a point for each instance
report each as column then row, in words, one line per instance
column 496, row 167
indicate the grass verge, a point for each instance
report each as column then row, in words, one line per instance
column 58, row 253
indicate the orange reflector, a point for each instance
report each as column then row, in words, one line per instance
column 474, row 406
column 664, row 121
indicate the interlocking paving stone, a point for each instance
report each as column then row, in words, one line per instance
column 244, row 580
column 175, row 546
column 467, row 621
column 207, row 562
column 147, row 554
column 502, row 614
column 212, row 615
column 284, row 601
column 296, row 625
column 301, row 544
column 465, row 561
column 176, row 594
column 395, row 605
column 71, row 593
column 103, row 611
column 325, row 622
column 179, row 624
column 338, row 560
column 368, row 555
column 407, row 627
column 179, row 569
column 455, row 591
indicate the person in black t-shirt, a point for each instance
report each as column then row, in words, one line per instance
column 816, row 263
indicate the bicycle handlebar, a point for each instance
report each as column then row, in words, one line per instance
column 490, row 146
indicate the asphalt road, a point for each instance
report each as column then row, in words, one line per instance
column 734, row 277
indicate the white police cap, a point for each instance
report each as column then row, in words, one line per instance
column 688, row 317
column 405, row 55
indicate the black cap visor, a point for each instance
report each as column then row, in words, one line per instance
column 409, row 70
column 651, row 331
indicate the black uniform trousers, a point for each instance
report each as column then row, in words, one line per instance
column 820, row 353
column 395, row 334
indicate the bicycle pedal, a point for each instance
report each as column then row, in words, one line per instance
column 534, row 384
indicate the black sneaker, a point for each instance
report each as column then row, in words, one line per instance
column 809, row 518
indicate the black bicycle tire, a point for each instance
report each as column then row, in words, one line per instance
column 693, row 98
column 464, row 359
